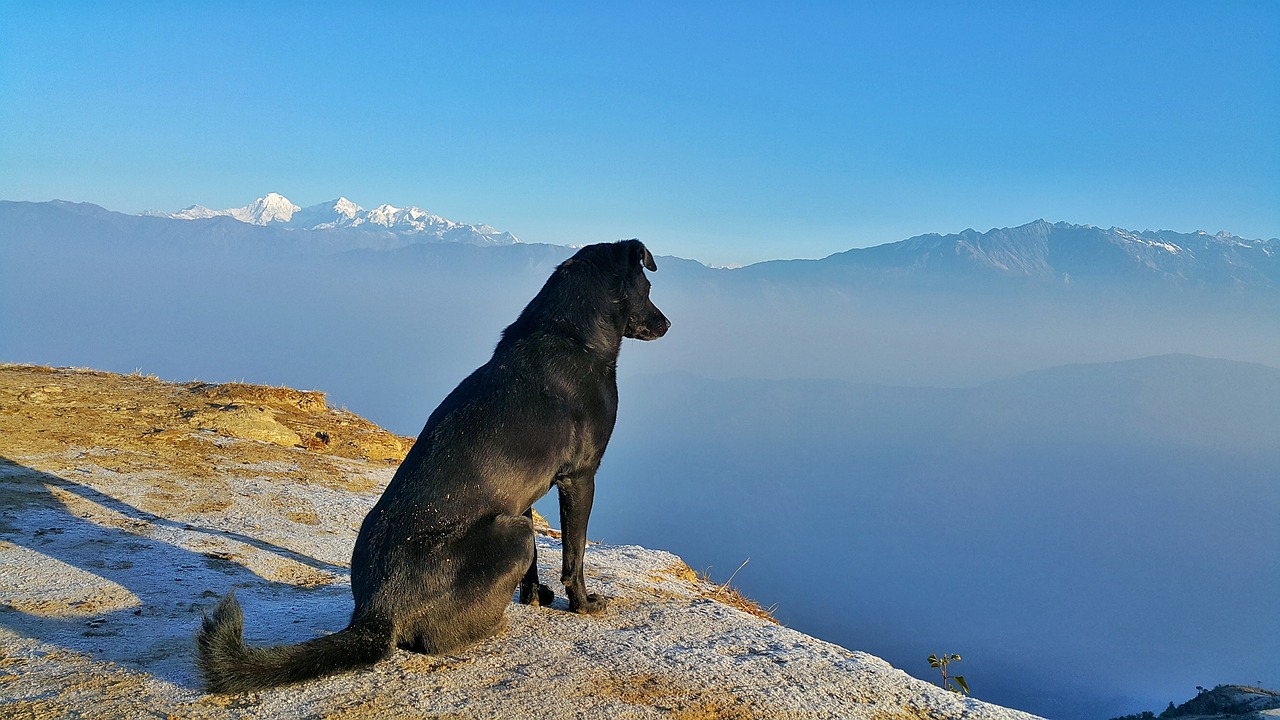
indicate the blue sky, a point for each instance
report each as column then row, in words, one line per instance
column 725, row 132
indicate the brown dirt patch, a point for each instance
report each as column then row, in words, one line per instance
column 682, row 700
column 376, row 710
column 80, row 692
column 184, row 434
column 303, row 517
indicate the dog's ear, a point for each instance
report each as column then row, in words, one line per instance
column 648, row 260
column 641, row 255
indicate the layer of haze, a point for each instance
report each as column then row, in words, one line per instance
column 1094, row 539
column 731, row 132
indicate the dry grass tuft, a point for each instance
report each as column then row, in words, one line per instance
column 732, row 597
column 542, row 527
column 723, row 593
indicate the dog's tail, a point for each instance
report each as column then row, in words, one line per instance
column 230, row 666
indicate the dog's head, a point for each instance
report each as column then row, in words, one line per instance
column 644, row 320
column 599, row 296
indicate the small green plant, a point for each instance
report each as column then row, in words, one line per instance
column 954, row 683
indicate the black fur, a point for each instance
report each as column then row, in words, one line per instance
column 439, row 555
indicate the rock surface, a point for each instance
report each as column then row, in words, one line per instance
column 129, row 505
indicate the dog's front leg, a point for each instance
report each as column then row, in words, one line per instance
column 532, row 591
column 576, row 495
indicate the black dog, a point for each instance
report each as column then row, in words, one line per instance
column 438, row 557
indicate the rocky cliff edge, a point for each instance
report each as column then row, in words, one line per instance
column 129, row 505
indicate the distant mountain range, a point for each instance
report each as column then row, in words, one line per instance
column 276, row 210
column 1039, row 253
column 1060, row 253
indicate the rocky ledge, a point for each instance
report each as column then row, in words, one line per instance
column 129, row 505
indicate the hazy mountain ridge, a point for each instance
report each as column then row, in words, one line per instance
column 1058, row 253
column 1037, row 254
column 1063, row 252
column 1178, row 399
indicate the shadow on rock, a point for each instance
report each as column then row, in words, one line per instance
column 84, row 571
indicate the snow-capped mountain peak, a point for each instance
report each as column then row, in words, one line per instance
column 343, row 206
column 412, row 223
column 416, row 218
column 274, row 207
column 193, row 212
column 338, row 213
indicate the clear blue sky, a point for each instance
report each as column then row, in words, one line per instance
column 727, row 132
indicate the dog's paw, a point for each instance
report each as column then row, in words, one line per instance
column 543, row 596
column 593, row 604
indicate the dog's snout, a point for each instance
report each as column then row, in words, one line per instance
column 660, row 323
column 655, row 325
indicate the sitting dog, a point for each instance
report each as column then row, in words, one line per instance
column 439, row 556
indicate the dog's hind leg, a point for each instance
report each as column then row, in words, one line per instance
column 533, row 592
column 490, row 560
